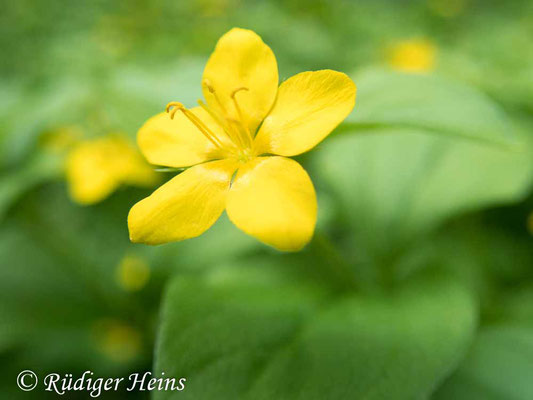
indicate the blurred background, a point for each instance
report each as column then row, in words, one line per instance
column 429, row 177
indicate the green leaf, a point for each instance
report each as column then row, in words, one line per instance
column 223, row 241
column 41, row 167
column 19, row 133
column 253, row 333
column 134, row 94
column 395, row 184
column 417, row 150
column 434, row 104
column 499, row 367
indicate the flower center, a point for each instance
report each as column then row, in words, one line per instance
column 237, row 140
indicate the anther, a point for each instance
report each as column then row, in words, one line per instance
column 238, row 90
column 211, row 89
column 207, row 84
column 176, row 106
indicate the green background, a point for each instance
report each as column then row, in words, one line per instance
column 419, row 280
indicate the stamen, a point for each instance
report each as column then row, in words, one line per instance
column 238, row 90
column 208, row 85
column 238, row 132
column 212, row 113
column 236, row 103
column 236, row 129
column 244, row 122
column 176, row 106
column 227, row 129
column 211, row 90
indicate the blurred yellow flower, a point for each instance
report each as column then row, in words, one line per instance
column 117, row 340
column 237, row 142
column 95, row 168
column 132, row 273
column 530, row 223
column 415, row 55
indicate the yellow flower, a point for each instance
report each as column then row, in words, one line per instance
column 132, row 273
column 95, row 168
column 530, row 223
column 416, row 55
column 117, row 340
column 237, row 142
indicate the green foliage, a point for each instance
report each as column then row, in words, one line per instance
column 428, row 103
column 417, row 151
column 498, row 367
column 60, row 304
column 255, row 332
column 499, row 364
column 42, row 167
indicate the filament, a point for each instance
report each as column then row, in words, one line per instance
column 244, row 123
column 175, row 106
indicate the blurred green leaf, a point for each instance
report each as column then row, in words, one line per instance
column 499, row 367
column 34, row 110
column 416, row 150
column 426, row 102
column 253, row 333
column 396, row 184
column 223, row 241
column 40, row 168
column 134, row 94
column 502, row 69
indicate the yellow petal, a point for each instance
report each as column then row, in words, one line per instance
column 184, row 207
column 242, row 60
column 309, row 106
column 89, row 175
column 177, row 142
column 136, row 172
column 129, row 166
column 95, row 168
column 273, row 199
